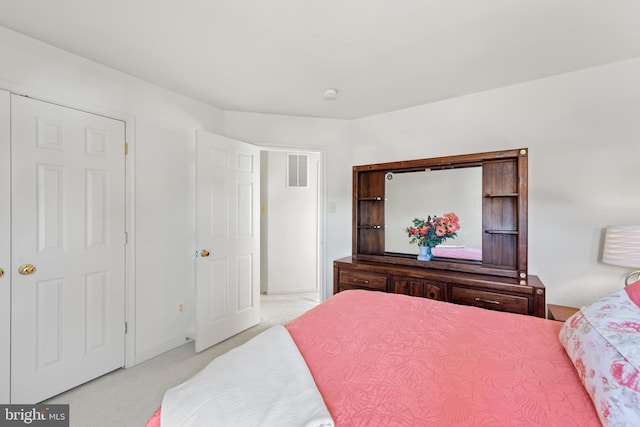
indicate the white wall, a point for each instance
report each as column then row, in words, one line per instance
column 161, row 130
column 292, row 216
column 583, row 132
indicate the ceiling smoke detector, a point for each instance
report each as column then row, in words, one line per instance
column 330, row 93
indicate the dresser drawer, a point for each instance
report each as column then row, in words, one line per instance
column 490, row 300
column 418, row 288
column 363, row 279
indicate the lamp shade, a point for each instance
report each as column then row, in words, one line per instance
column 622, row 245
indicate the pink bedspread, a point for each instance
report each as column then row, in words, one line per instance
column 458, row 253
column 392, row 360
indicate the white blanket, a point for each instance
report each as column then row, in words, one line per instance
column 264, row 382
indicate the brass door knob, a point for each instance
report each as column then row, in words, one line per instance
column 26, row 269
column 204, row 253
column 1, row 272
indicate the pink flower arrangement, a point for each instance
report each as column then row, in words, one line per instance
column 434, row 230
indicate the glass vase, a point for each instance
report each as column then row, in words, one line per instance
column 425, row 253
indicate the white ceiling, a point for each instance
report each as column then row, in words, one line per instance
column 279, row 56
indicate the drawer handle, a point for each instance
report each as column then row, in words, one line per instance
column 366, row 282
column 488, row 301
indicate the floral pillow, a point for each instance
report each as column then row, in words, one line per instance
column 603, row 342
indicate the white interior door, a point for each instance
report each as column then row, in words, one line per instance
column 5, row 246
column 228, row 229
column 68, row 221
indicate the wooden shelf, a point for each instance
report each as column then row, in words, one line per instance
column 501, row 231
column 502, row 195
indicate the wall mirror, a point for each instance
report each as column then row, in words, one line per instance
column 487, row 191
column 417, row 194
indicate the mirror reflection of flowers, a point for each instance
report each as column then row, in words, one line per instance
column 434, row 230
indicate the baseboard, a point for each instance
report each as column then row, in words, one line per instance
column 290, row 291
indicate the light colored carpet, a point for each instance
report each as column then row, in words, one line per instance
column 128, row 397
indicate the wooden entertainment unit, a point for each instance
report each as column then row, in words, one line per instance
column 497, row 281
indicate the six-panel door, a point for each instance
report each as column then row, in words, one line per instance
column 68, row 223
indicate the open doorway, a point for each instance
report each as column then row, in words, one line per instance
column 291, row 222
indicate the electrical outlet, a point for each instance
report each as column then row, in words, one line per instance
column 181, row 308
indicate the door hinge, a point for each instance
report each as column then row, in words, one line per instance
column 126, row 328
column 126, row 237
column 126, row 148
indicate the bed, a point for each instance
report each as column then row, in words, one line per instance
column 381, row 359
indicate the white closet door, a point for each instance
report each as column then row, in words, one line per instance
column 5, row 246
column 68, row 221
column 228, row 229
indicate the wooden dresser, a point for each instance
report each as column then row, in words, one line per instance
column 491, row 292
column 496, row 198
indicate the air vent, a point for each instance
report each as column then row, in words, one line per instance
column 297, row 170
